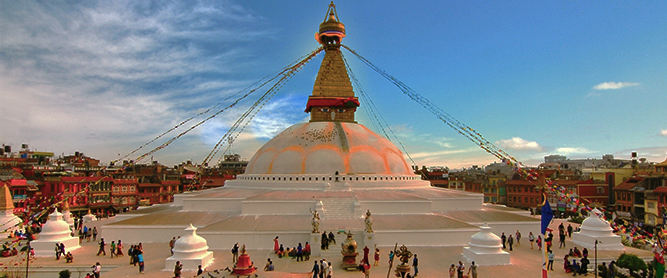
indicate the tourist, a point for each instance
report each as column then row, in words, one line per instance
column 140, row 259
column 329, row 270
column 94, row 233
column 584, row 253
column 376, row 257
column 119, row 249
column 89, row 234
column 325, row 241
column 130, row 252
column 391, row 256
column 57, row 251
column 281, row 251
column 199, row 270
column 550, row 265
column 531, row 238
column 569, row 230
column 452, row 271
column 235, row 252
column 80, row 236
column 332, row 238
column 612, row 271
column 306, row 251
column 276, row 246
column 518, row 238
column 510, row 241
column 460, row 269
column 367, row 270
column 561, row 238
column 603, row 270
column 503, row 239
column 97, row 268
column 299, row 253
column 177, row 269
column 102, row 244
column 473, row 270
column 415, row 265
column 584, row 266
column 365, row 259
column 69, row 258
column 171, row 245
column 113, row 248
column 316, row 270
column 269, row 265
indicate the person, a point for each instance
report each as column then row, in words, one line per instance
column 171, row 245
column 576, row 252
column 269, row 265
column 550, row 265
column 510, row 241
column 366, row 250
column 603, row 270
column 102, row 244
column 89, row 234
column 612, row 272
column 57, row 251
column 325, row 241
column 119, row 249
column 276, row 246
column 281, row 251
column 569, row 230
column 95, row 234
column 531, row 238
column 367, row 270
column 140, row 259
column 130, row 253
column 391, row 256
column 97, row 268
column 113, row 248
column 473, row 270
column 316, row 270
column 324, row 268
column 549, row 240
column 235, row 252
column 376, row 257
column 452, row 271
column 460, row 269
column 518, row 238
column 584, row 266
column 503, row 239
column 584, row 252
column 306, row 251
column 539, row 243
column 69, row 257
column 415, row 265
column 561, row 238
column 177, row 269
column 199, row 270
column 299, row 252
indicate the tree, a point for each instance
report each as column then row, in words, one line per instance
column 64, row 273
column 632, row 263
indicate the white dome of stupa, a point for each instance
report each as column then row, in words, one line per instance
column 56, row 228
column 326, row 148
column 485, row 248
column 190, row 250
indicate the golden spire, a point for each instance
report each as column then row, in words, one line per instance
column 333, row 98
column 6, row 202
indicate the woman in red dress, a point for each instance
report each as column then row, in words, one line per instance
column 276, row 246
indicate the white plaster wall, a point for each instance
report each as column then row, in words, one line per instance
column 461, row 203
column 511, row 227
column 255, row 240
column 272, row 207
column 212, row 204
column 137, row 234
column 396, row 207
column 459, row 237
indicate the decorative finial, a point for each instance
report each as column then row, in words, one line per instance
column 332, row 31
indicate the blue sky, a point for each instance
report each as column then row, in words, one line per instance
column 580, row 79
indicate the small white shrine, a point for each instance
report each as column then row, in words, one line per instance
column 56, row 230
column 595, row 228
column 89, row 217
column 485, row 248
column 8, row 220
column 67, row 216
column 191, row 250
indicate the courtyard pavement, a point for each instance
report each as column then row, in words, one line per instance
column 433, row 262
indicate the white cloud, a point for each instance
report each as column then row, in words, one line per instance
column 569, row 150
column 663, row 132
column 614, row 85
column 517, row 143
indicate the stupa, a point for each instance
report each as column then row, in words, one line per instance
column 9, row 221
column 331, row 164
column 191, row 250
column 67, row 216
column 595, row 228
column 485, row 248
column 54, row 231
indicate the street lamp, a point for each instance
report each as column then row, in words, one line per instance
column 596, row 257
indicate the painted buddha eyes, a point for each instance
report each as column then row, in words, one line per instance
column 340, row 110
column 325, row 110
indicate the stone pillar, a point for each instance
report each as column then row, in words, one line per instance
column 315, row 250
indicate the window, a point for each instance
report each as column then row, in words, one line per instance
column 525, row 199
column 600, row 189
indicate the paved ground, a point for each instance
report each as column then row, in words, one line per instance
column 434, row 262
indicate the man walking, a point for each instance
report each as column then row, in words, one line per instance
column 235, row 252
column 102, row 244
column 316, row 270
column 503, row 238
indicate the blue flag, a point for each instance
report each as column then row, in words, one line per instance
column 547, row 215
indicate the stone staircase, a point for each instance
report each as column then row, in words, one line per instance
column 337, row 208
